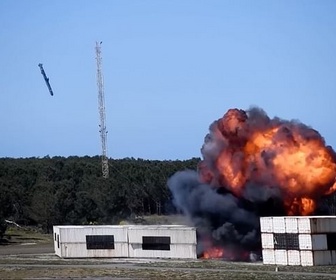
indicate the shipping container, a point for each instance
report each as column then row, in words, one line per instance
column 291, row 225
column 158, row 241
column 91, row 241
column 162, row 241
column 268, row 256
column 267, row 240
column 293, row 257
column 279, row 225
column 281, row 257
column 307, row 240
column 317, row 224
column 266, row 224
column 310, row 258
column 313, row 242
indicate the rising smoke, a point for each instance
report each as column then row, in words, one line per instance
column 252, row 166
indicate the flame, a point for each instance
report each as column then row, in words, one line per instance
column 303, row 205
column 248, row 147
column 214, row 253
column 229, row 254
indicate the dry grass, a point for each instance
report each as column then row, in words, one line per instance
column 51, row 267
column 48, row 266
column 148, row 273
column 15, row 235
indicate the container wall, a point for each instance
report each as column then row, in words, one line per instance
column 333, row 257
column 267, row 240
column 319, row 242
column 305, row 242
column 268, row 256
column 79, row 250
column 310, row 258
column 56, row 239
column 181, row 242
column 323, row 224
column 279, row 225
column 73, row 243
column 307, row 258
column 281, row 257
column 293, row 257
column 266, row 224
column 176, row 251
column 315, row 224
column 322, row 257
column 77, row 234
column 177, row 235
column 304, row 225
column 291, row 224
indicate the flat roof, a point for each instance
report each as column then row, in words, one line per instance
column 302, row 217
column 127, row 226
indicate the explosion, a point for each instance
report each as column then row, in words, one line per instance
column 252, row 166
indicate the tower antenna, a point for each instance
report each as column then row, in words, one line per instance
column 101, row 107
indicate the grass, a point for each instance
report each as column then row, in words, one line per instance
column 15, row 235
column 157, row 220
column 147, row 273
column 242, row 266
column 49, row 266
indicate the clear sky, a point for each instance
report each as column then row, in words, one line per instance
column 171, row 67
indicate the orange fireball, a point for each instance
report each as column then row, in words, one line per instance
column 250, row 148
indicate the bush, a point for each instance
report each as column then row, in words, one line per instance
column 3, row 227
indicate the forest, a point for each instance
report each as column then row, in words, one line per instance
column 46, row 191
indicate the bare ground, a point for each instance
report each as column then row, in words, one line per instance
column 48, row 266
column 31, row 256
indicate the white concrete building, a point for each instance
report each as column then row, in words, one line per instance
column 299, row 240
column 134, row 241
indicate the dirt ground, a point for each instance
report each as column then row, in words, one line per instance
column 26, row 249
column 36, row 261
column 31, row 256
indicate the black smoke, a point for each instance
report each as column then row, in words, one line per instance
column 222, row 218
column 226, row 220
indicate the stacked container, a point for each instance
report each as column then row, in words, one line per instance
column 296, row 240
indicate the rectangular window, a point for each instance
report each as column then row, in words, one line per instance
column 286, row 241
column 98, row 242
column 156, row 243
column 331, row 241
column 57, row 240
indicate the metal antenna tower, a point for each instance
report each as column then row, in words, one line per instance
column 101, row 106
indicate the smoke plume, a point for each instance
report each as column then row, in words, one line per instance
column 252, row 166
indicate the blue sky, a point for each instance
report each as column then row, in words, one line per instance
column 171, row 67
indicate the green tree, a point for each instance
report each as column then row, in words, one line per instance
column 5, row 206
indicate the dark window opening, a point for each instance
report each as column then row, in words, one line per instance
column 156, row 243
column 99, row 242
column 58, row 241
column 286, row 241
column 331, row 241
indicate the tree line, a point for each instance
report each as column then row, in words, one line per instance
column 70, row 190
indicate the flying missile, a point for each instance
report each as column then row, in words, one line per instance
column 46, row 79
